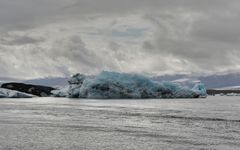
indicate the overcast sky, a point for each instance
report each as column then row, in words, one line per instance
column 43, row 38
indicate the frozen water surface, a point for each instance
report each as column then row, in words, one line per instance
column 61, row 123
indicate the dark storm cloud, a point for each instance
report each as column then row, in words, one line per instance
column 145, row 36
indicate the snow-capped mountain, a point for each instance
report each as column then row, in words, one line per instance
column 229, row 88
column 210, row 81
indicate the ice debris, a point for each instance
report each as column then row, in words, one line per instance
column 200, row 89
column 60, row 92
column 5, row 93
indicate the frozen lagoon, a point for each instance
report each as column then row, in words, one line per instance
column 61, row 123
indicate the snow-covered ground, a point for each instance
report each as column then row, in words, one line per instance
column 61, row 123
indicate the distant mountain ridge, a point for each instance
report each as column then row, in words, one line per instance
column 53, row 81
column 211, row 81
column 220, row 81
column 6, row 79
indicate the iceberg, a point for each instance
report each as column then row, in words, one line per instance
column 2, row 95
column 5, row 93
column 200, row 89
column 60, row 92
column 113, row 85
column 71, row 90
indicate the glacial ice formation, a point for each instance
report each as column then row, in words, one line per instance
column 200, row 90
column 5, row 93
column 61, row 92
column 112, row 85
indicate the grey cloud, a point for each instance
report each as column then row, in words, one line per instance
column 23, row 14
column 148, row 45
column 116, row 6
column 75, row 50
column 7, row 39
column 197, row 35
column 217, row 28
column 208, row 42
column 114, row 46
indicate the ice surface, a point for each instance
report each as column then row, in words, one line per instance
column 5, row 93
column 2, row 95
column 200, row 90
column 113, row 85
column 61, row 124
column 61, row 92
column 71, row 90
